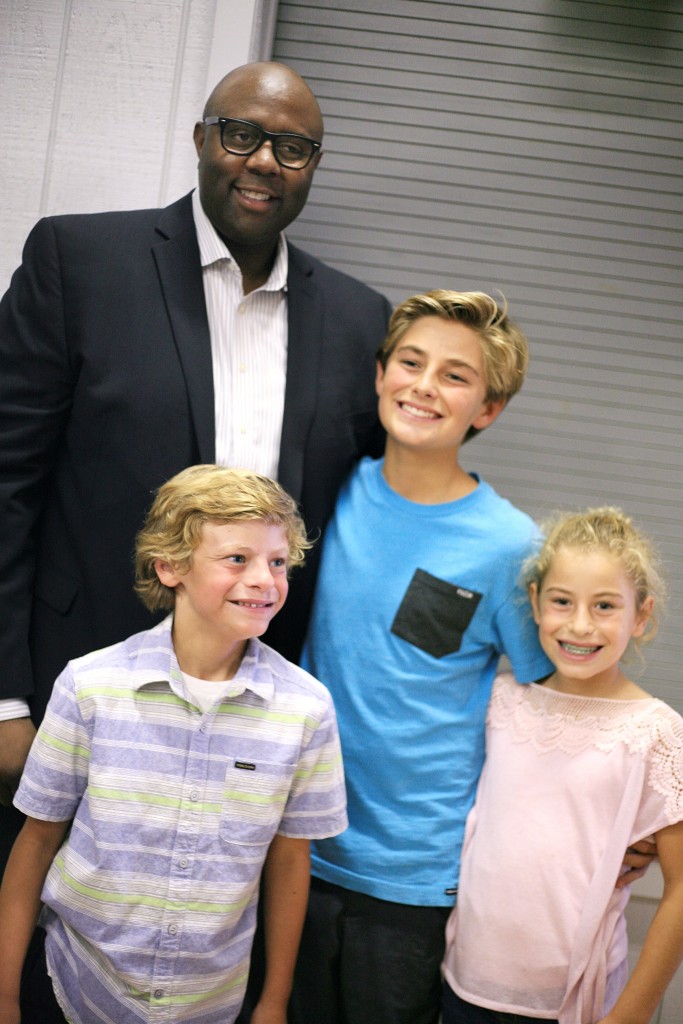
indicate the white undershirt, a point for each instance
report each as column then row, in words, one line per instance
column 205, row 692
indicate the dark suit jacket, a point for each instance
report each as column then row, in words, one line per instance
column 106, row 391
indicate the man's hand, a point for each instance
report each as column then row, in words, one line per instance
column 16, row 737
column 10, row 1012
column 637, row 859
column 265, row 1014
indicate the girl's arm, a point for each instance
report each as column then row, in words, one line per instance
column 28, row 864
column 662, row 950
column 286, row 879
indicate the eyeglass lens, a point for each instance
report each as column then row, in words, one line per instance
column 243, row 138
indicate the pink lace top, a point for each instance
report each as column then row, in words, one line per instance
column 569, row 782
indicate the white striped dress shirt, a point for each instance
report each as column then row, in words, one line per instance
column 249, row 352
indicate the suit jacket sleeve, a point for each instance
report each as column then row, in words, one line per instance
column 106, row 391
column 36, row 384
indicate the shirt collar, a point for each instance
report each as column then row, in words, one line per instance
column 212, row 248
column 254, row 674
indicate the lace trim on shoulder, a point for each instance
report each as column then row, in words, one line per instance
column 549, row 720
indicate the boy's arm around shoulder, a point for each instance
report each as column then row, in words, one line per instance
column 637, row 859
column 286, row 879
column 22, row 884
column 662, row 950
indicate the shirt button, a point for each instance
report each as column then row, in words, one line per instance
column 194, row 795
column 173, row 929
column 183, row 862
column 158, row 993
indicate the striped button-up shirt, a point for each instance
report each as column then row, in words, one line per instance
column 150, row 903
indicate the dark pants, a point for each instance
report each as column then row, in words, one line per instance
column 38, row 1002
column 457, row 1011
column 368, row 961
column 11, row 822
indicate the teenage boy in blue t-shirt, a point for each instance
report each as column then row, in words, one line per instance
column 417, row 599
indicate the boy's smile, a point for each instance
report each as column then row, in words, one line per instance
column 235, row 585
column 433, row 388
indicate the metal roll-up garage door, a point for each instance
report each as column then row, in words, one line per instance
column 535, row 148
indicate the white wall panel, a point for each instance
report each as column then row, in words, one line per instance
column 100, row 101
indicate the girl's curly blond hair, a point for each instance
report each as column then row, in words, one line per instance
column 610, row 530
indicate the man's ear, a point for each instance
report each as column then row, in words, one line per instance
column 198, row 136
column 489, row 412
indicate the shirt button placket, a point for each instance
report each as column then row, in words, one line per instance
column 167, row 959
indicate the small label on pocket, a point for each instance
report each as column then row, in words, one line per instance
column 246, row 766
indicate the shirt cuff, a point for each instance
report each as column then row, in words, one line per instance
column 13, row 707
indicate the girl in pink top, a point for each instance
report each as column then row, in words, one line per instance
column 577, row 768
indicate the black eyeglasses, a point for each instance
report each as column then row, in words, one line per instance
column 243, row 138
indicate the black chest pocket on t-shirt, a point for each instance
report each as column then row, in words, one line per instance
column 434, row 614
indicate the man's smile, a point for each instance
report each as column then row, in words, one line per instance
column 248, row 193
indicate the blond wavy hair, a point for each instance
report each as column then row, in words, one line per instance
column 609, row 530
column 199, row 494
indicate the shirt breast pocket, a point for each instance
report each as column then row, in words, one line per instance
column 434, row 614
column 254, row 800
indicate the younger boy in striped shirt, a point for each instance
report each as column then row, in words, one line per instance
column 170, row 771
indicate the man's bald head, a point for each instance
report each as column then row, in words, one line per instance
column 268, row 79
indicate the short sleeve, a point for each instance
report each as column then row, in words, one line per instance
column 662, row 802
column 316, row 806
column 56, row 772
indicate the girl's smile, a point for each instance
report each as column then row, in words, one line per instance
column 587, row 612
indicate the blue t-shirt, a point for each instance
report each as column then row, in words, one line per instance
column 414, row 606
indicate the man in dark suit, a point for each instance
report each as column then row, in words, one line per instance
column 108, row 383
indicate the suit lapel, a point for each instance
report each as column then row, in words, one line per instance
column 180, row 275
column 304, row 350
